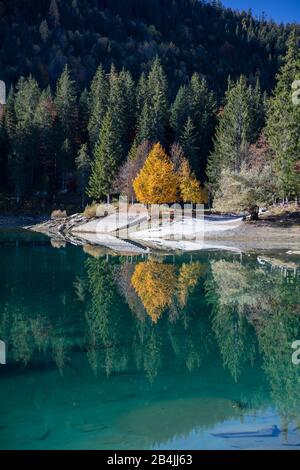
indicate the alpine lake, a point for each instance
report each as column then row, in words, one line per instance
column 158, row 351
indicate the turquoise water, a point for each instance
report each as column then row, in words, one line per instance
column 156, row 352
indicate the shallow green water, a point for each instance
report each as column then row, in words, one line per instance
column 109, row 352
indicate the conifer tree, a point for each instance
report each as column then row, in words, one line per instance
column 106, row 160
column 188, row 140
column 198, row 103
column 83, row 164
column 83, row 115
column 54, row 14
column 157, row 182
column 67, row 114
column 203, row 113
column 10, row 115
column 233, row 134
column 23, row 159
column 122, row 106
column 180, row 112
column 97, row 103
column 46, row 140
column 154, row 113
column 283, row 123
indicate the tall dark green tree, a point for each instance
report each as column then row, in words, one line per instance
column 153, row 117
column 97, row 103
column 189, row 141
column 180, row 111
column 203, row 113
column 44, row 118
column 283, row 122
column 234, row 132
column 67, row 113
column 83, row 166
column 106, row 159
column 23, row 158
column 197, row 102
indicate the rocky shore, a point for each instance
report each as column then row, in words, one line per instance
column 220, row 233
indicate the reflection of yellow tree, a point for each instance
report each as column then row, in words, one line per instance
column 155, row 284
column 188, row 279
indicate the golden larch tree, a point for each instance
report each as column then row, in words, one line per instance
column 155, row 284
column 157, row 181
column 189, row 186
column 188, row 279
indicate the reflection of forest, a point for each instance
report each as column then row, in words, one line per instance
column 256, row 309
column 152, row 315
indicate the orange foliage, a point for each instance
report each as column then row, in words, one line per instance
column 157, row 182
column 155, row 284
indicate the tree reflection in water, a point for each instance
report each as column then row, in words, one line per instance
column 152, row 315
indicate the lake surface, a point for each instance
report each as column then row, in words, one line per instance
column 155, row 352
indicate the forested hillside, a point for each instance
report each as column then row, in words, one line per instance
column 94, row 85
column 189, row 36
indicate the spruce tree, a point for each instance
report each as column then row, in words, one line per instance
column 203, row 113
column 97, row 104
column 233, row 134
column 153, row 116
column 83, row 164
column 283, row 123
column 45, row 140
column 106, row 159
column 83, row 115
column 67, row 114
column 24, row 154
column 188, row 140
column 180, row 111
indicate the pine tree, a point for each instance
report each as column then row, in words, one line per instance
column 10, row 115
column 44, row 119
column 129, row 91
column 54, row 13
column 197, row 102
column 106, row 159
column 203, row 113
column 44, row 30
column 283, row 123
column 97, row 102
column 188, row 140
column 122, row 106
column 157, row 182
column 141, row 94
column 84, row 115
column 83, row 164
column 23, row 159
column 257, row 111
column 233, row 134
column 180, row 112
column 154, row 113
column 67, row 114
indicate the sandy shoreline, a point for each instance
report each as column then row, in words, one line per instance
column 228, row 233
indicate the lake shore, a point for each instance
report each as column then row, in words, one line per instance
column 269, row 233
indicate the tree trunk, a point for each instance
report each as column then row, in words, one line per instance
column 254, row 212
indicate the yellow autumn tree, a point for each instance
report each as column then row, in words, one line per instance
column 155, row 284
column 188, row 279
column 157, row 182
column 189, row 186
